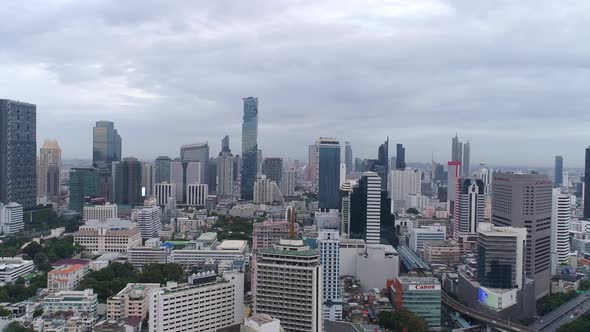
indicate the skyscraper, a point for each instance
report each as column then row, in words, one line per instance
column 329, row 246
column 467, row 159
column 225, row 170
column 273, row 169
column 400, row 158
column 147, row 178
column 162, row 169
column 83, row 183
column 586, row 185
column 288, row 184
column 106, row 144
column 348, row 157
column 197, row 152
column 373, row 232
column 454, row 174
column 524, row 200
column 560, row 230
column 558, row 171
column 299, row 292
column 456, row 150
column 49, row 171
column 328, row 170
column 469, row 212
column 127, row 182
column 18, row 153
column 212, row 176
column 403, row 183
column 249, row 147
column 382, row 165
column 312, row 163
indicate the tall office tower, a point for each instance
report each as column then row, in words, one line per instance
column 469, row 212
column 586, row 185
column 258, row 163
column 500, row 259
column 106, row 144
column 49, row 171
column 312, row 163
column 225, row 170
column 560, row 229
column 266, row 191
column 237, row 167
column 345, row 190
column 212, row 176
column 328, row 172
column 400, row 157
column 197, row 194
column 162, row 169
column 342, row 176
column 149, row 221
column 348, row 157
column 485, row 174
column 273, row 169
column 373, row 232
column 454, row 175
column 197, row 152
column 558, row 179
column 205, row 303
column 18, row 153
column 466, row 159
column 83, row 183
column 127, row 182
column 456, row 150
column 147, row 178
column 403, row 183
column 183, row 173
column 295, row 298
column 163, row 191
column 382, row 165
column 524, row 200
column 288, row 184
column 11, row 218
column 329, row 245
column 249, row 148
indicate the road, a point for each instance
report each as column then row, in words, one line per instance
column 497, row 322
column 560, row 316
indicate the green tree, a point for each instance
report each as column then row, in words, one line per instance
column 161, row 273
column 110, row 280
column 581, row 324
column 17, row 327
column 32, row 249
column 400, row 319
column 5, row 312
column 412, row 211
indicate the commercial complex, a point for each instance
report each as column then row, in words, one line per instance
column 113, row 235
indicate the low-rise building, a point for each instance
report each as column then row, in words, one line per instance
column 205, row 303
column 139, row 256
column 131, row 324
column 418, row 236
column 442, row 252
column 81, row 303
column 100, row 212
column 232, row 254
column 113, row 235
column 11, row 218
column 261, row 323
column 12, row 268
column 66, row 277
column 131, row 301
column 246, row 210
column 268, row 233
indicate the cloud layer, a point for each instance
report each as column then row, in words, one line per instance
column 510, row 76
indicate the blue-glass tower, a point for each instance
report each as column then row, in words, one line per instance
column 249, row 147
column 328, row 173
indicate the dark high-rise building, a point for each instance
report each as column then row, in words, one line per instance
column 197, row 152
column 106, row 144
column 467, row 159
column 127, row 182
column 249, row 148
column 462, row 153
column 358, row 165
column 162, row 169
column 328, row 172
column 400, row 158
column 237, row 168
column 382, row 166
column 225, row 144
column 18, row 153
column 558, row 171
column 456, row 150
column 212, row 176
column 83, row 183
column 525, row 200
column 348, row 157
column 273, row 169
column 587, row 185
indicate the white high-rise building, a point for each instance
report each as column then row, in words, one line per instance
column 206, row 303
column 266, row 191
column 100, row 212
column 11, row 218
column 163, row 191
column 225, row 173
column 346, row 188
column 288, row 183
column 49, row 171
column 373, row 232
column 147, row 179
column 197, row 194
column 560, row 229
column 288, row 286
column 403, row 183
column 329, row 246
column 176, row 178
column 149, row 221
column 342, row 173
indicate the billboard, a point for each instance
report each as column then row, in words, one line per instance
column 426, row 287
column 494, row 300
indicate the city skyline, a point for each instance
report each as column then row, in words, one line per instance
column 202, row 62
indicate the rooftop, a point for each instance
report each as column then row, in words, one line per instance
column 207, row 237
column 232, row 245
column 66, row 269
column 418, row 280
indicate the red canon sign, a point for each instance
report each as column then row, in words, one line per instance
column 425, row 287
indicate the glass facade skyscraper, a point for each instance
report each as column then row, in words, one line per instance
column 18, row 153
column 328, row 172
column 558, row 171
column 162, row 169
column 249, row 147
column 106, row 144
column 83, row 183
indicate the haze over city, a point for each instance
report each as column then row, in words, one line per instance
column 509, row 76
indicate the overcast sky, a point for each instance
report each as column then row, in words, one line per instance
column 510, row 76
